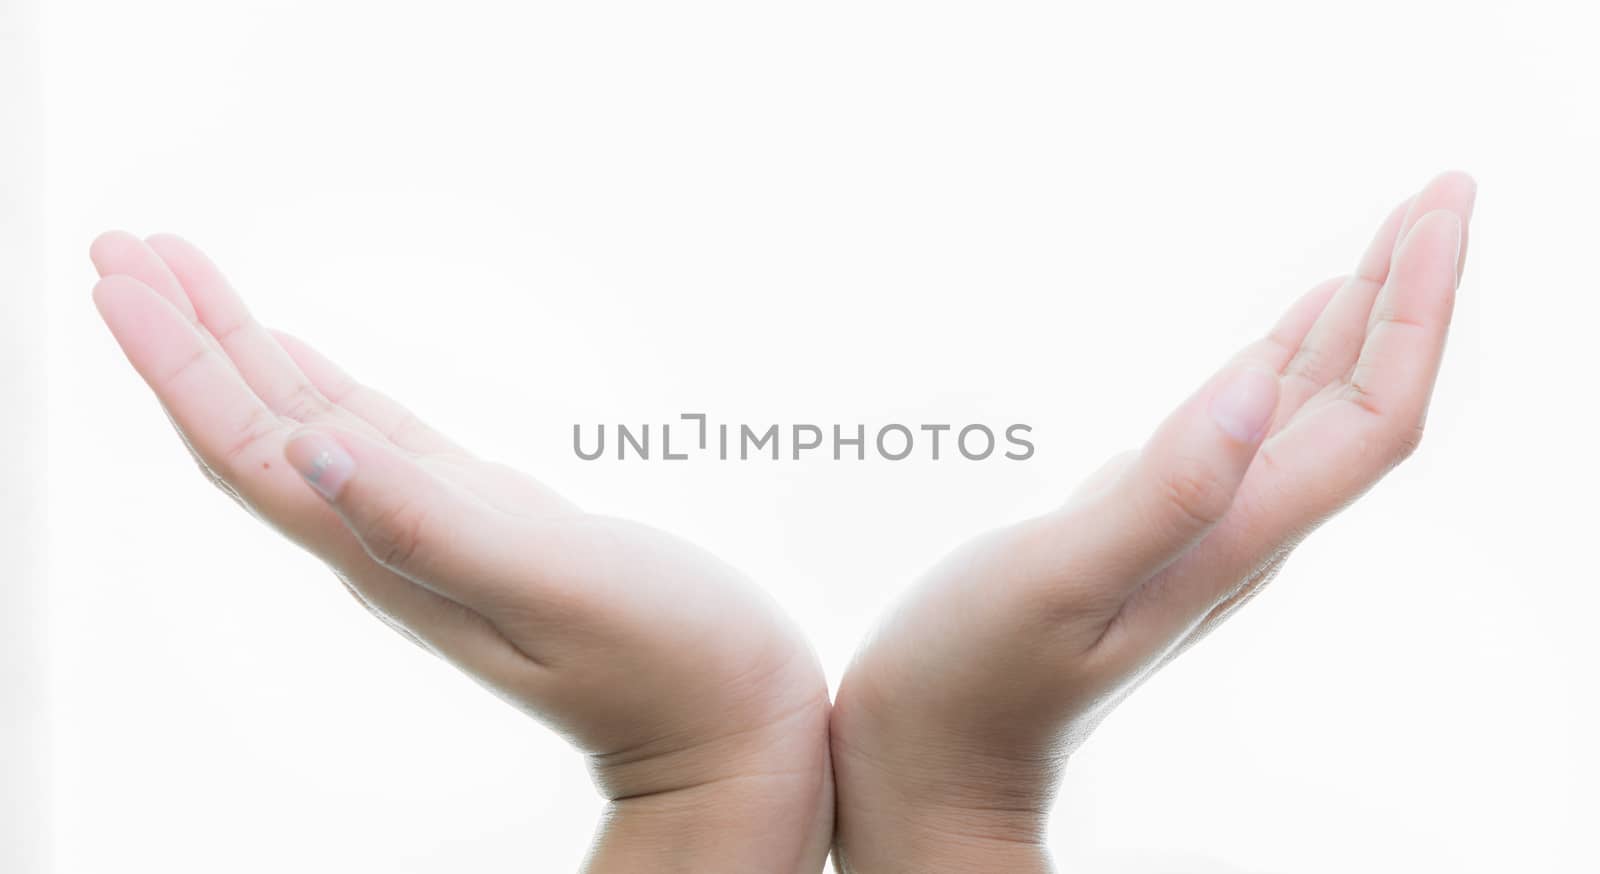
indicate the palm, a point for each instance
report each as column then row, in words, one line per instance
column 1010, row 652
column 1357, row 370
column 631, row 643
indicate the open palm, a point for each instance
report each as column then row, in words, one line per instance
column 951, row 728
column 685, row 686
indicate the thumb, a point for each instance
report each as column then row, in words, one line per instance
column 408, row 519
column 1184, row 479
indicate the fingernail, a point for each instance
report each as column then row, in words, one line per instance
column 1243, row 405
column 322, row 461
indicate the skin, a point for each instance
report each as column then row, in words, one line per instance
column 702, row 712
column 700, row 708
column 952, row 727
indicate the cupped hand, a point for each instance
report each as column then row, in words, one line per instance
column 952, row 726
column 702, row 711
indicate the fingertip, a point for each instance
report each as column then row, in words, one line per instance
column 150, row 330
column 167, row 243
column 114, row 287
column 1452, row 190
column 1374, row 262
column 101, row 296
column 1326, row 287
column 1457, row 181
column 1297, row 322
column 183, row 256
column 170, row 248
column 109, row 248
column 1462, row 192
column 1441, row 227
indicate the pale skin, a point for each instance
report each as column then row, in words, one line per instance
column 701, row 709
column 952, row 727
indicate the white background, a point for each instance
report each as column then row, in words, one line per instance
column 520, row 216
column 22, row 359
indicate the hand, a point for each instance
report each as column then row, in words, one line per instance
column 951, row 728
column 701, row 710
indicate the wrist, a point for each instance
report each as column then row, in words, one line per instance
column 888, row 826
column 757, row 800
column 932, row 810
column 777, row 823
column 925, row 842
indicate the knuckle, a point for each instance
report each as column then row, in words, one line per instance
column 1309, row 364
column 406, row 428
column 304, row 403
column 1396, row 436
column 190, row 365
column 394, row 536
column 1406, row 441
column 256, row 427
column 1359, row 393
column 1196, row 490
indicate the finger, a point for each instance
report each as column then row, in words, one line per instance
column 1400, row 361
column 413, row 522
column 121, row 252
column 1180, row 485
column 1335, row 342
column 228, row 427
column 1452, row 190
column 1331, row 454
column 1326, row 459
column 1275, row 350
column 266, row 368
column 239, row 440
column 1331, row 345
column 234, row 436
column 1373, row 421
column 1162, row 605
column 508, row 490
column 1292, row 329
column 386, row 416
